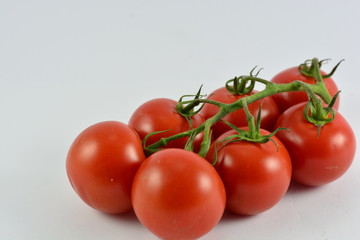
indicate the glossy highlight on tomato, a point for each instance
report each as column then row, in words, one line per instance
column 160, row 115
column 317, row 159
column 101, row 164
column 286, row 100
column 269, row 112
column 177, row 194
column 256, row 175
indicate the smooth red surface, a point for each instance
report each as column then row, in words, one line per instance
column 178, row 195
column 256, row 175
column 286, row 100
column 101, row 165
column 269, row 112
column 317, row 159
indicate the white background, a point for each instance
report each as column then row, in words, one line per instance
column 65, row 65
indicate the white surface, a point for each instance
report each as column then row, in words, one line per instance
column 65, row 65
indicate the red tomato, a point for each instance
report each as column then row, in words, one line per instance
column 160, row 114
column 269, row 112
column 256, row 175
column 316, row 160
column 287, row 99
column 178, row 195
column 101, row 165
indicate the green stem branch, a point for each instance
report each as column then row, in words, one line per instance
column 271, row 88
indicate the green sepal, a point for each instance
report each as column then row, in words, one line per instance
column 318, row 115
column 243, row 135
column 333, row 70
column 240, row 84
column 308, row 68
column 187, row 108
column 333, row 100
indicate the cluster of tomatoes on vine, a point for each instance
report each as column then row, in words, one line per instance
column 179, row 165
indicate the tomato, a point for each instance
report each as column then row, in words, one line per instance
column 101, row 164
column 287, row 99
column 316, row 159
column 177, row 194
column 256, row 175
column 269, row 112
column 160, row 114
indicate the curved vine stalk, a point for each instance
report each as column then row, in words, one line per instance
column 270, row 89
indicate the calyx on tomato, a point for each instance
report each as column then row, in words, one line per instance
column 239, row 84
column 170, row 122
column 316, row 113
column 311, row 70
column 251, row 133
column 187, row 108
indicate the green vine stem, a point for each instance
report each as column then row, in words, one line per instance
column 270, row 89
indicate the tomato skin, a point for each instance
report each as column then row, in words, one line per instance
column 101, row 164
column 286, row 100
column 269, row 112
column 317, row 160
column 177, row 194
column 256, row 175
column 160, row 114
